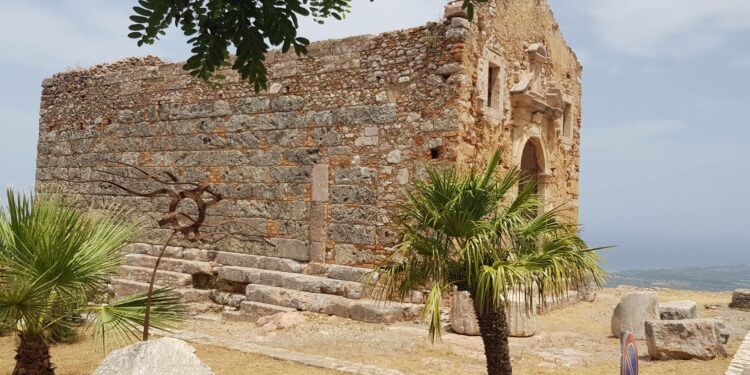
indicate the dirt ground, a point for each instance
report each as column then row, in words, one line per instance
column 573, row 340
column 84, row 356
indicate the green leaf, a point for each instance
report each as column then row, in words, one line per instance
column 142, row 11
column 139, row 19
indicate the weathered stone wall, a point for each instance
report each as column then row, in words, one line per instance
column 502, row 33
column 314, row 164
column 317, row 163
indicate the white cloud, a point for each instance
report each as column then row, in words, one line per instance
column 667, row 28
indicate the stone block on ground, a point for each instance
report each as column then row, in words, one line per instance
column 587, row 290
column 678, row 310
column 294, row 281
column 521, row 321
column 632, row 313
column 463, row 318
column 376, row 312
column 165, row 356
column 740, row 299
column 363, row 310
column 686, row 339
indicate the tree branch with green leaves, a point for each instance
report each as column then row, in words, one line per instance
column 248, row 28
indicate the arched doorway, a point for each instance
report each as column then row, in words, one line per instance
column 530, row 166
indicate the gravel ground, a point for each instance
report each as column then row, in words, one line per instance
column 573, row 340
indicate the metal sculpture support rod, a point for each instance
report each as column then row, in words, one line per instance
column 147, row 313
column 201, row 194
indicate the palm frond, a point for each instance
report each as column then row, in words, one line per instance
column 469, row 229
column 432, row 311
column 123, row 319
column 54, row 258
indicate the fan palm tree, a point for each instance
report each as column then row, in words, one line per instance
column 54, row 265
column 469, row 230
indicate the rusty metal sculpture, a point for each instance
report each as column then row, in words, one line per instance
column 189, row 226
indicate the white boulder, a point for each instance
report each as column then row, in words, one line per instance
column 165, row 356
column 686, row 339
column 521, row 321
column 632, row 313
column 463, row 318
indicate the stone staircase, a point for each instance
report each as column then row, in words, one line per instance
column 246, row 287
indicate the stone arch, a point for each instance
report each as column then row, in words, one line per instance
column 532, row 160
column 532, row 163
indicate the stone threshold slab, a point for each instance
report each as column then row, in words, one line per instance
column 280, row 354
column 740, row 365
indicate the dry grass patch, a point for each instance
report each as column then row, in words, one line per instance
column 83, row 357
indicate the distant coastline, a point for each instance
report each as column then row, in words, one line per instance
column 713, row 279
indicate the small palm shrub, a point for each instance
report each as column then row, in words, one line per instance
column 470, row 230
column 55, row 262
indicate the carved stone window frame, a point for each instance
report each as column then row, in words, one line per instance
column 492, row 60
column 568, row 121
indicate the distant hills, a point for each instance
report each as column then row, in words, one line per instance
column 715, row 279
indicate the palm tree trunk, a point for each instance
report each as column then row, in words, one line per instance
column 32, row 356
column 493, row 326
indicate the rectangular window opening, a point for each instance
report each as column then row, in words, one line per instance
column 435, row 153
column 493, row 87
column 567, row 121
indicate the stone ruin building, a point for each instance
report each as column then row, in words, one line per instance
column 317, row 164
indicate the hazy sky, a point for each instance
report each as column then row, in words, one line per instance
column 665, row 131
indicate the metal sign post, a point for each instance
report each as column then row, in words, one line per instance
column 629, row 359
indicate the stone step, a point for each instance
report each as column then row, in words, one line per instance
column 339, row 272
column 260, row 262
column 170, row 264
column 166, row 278
column 123, row 287
column 363, row 310
column 251, row 311
column 172, row 252
column 289, row 280
column 332, row 271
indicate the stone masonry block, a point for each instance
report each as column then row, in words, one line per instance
column 740, row 299
column 307, row 156
column 352, row 234
column 292, row 249
column 287, row 103
column 253, row 105
column 678, row 310
column 353, row 194
column 367, row 114
column 326, row 137
column 320, row 183
column 355, row 214
column 318, row 220
column 355, row 175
